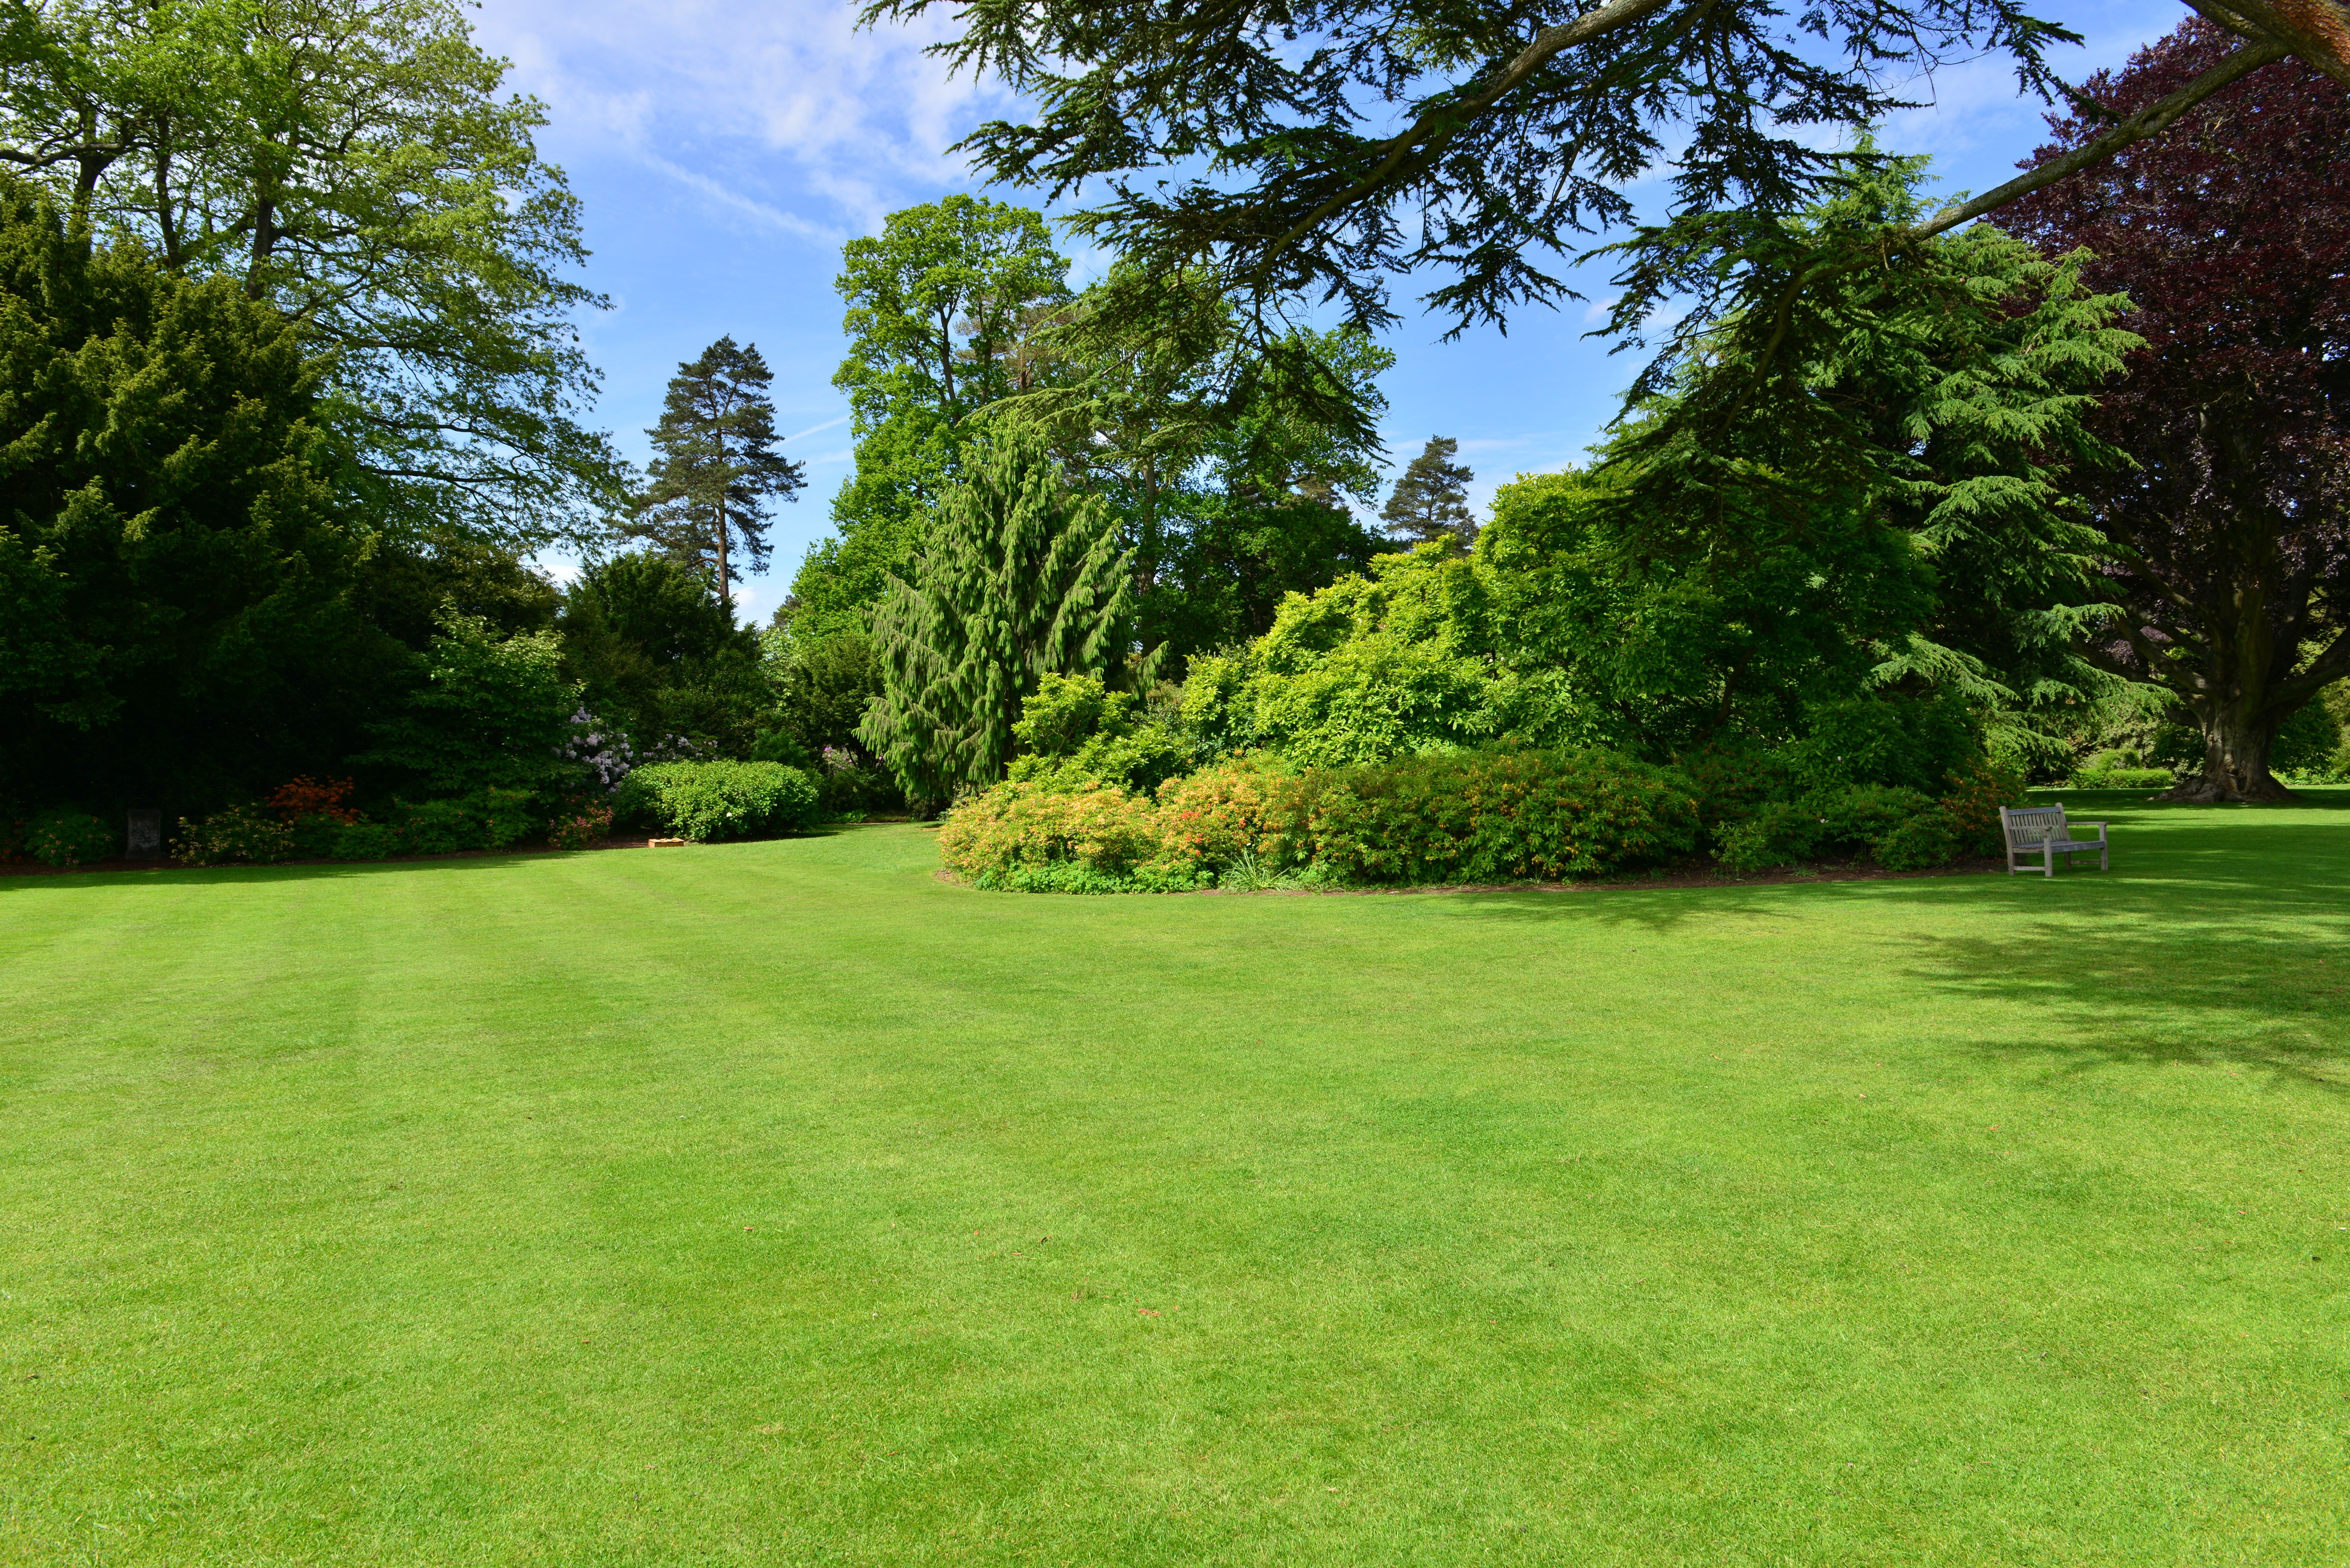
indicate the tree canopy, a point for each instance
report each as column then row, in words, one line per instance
column 717, row 467
column 354, row 163
column 2228, row 533
column 1021, row 578
column 1320, row 149
column 1431, row 502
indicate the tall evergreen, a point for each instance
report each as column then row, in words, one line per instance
column 1431, row 500
column 718, row 465
column 1021, row 575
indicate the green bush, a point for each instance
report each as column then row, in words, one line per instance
column 241, row 834
column 313, row 836
column 61, row 836
column 365, row 841
column 1074, row 731
column 1499, row 815
column 1777, row 833
column 2122, row 778
column 710, row 801
column 1928, row 838
column 486, row 819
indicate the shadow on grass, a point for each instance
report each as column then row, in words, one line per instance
column 2274, row 1001
column 164, row 873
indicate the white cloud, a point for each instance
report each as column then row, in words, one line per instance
column 785, row 115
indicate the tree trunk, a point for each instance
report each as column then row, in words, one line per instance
column 723, row 565
column 2236, row 741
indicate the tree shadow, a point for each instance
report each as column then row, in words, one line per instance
column 2274, row 1001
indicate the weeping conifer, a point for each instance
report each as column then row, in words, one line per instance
column 1021, row 578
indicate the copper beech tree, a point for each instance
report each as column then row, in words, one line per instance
column 2230, row 537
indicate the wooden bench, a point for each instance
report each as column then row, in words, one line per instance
column 2043, row 830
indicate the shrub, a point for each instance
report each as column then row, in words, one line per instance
column 708, row 801
column 2123, row 778
column 365, row 841
column 1024, row 823
column 485, row 819
column 61, row 836
column 303, row 797
column 1778, row 833
column 1250, row 808
column 1973, row 801
column 314, row 838
column 1074, row 731
column 1928, row 838
column 1499, row 815
column 242, row 834
column 579, row 828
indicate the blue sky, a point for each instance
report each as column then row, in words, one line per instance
column 724, row 151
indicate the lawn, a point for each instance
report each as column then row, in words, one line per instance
column 778, row 1203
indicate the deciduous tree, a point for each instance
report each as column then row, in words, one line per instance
column 942, row 305
column 2229, row 533
column 356, row 164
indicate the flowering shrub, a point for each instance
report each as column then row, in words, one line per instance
column 305, row 796
column 1972, row 801
column 610, row 756
column 579, row 826
column 1494, row 816
column 1007, row 833
column 66, row 837
column 242, row 834
column 706, row 801
column 1250, row 807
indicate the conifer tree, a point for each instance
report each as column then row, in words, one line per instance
column 1021, row 575
column 1431, row 500
column 718, row 465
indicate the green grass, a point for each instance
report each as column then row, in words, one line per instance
column 778, row 1203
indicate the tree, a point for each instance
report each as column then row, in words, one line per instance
column 177, row 564
column 1021, row 577
column 1431, row 500
column 490, row 712
column 1319, row 150
column 2228, row 558
column 718, row 464
column 943, row 308
column 352, row 163
column 1716, row 581
column 939, row 303
column 657, row 652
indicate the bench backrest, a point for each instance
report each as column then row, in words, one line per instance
column 2031, row 824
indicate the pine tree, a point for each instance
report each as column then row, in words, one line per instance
column 1021, row 575
column 1431, row 500
column 718, row 465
